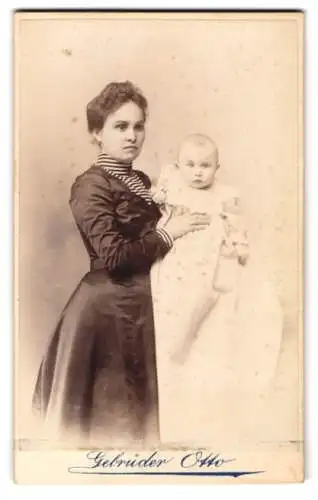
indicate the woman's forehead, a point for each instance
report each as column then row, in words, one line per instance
column 128, row 112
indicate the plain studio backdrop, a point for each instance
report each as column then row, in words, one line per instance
column 235, row 80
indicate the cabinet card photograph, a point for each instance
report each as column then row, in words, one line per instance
column 158, row 239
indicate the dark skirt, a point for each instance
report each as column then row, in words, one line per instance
column 98, row 377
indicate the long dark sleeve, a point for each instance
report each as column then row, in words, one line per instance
column 93, row 208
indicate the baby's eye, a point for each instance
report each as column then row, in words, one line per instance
column 190, row 164
column 205, row 165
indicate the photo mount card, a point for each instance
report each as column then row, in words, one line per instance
column 158, row 239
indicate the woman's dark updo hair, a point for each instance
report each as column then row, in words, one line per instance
column 112, row 97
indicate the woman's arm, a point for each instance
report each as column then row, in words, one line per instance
column 93, row 209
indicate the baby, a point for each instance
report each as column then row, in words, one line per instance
column 197, row 164
column 191, row 184
column 218, row 324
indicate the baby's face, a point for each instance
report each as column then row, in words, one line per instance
column 198, row 165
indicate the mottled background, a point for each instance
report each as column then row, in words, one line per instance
column 237, row 81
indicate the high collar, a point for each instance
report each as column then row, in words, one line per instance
column 109, row 163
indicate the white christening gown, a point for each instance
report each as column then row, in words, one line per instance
column 234, row 352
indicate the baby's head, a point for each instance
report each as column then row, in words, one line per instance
column 198, row 161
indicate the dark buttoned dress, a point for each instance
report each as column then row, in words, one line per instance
column 98, row 376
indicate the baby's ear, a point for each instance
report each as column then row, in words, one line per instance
column 218, row 165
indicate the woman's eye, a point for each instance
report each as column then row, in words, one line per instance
column 139, row 127
column 121, row 126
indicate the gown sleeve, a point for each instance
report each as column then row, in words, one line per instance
column 92, row 206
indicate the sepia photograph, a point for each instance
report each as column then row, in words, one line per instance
column 158, row 162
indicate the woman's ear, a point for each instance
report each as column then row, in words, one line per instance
column 97, row 138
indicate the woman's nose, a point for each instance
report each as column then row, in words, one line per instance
column 130, row 135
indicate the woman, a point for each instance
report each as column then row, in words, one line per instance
column 98, row 379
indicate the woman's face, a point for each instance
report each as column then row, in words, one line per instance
column 124, row 132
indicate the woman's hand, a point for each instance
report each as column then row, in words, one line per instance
column 180, row 224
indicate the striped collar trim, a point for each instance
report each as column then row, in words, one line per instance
column 115, row 166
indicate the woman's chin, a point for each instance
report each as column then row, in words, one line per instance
column 129, row 155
